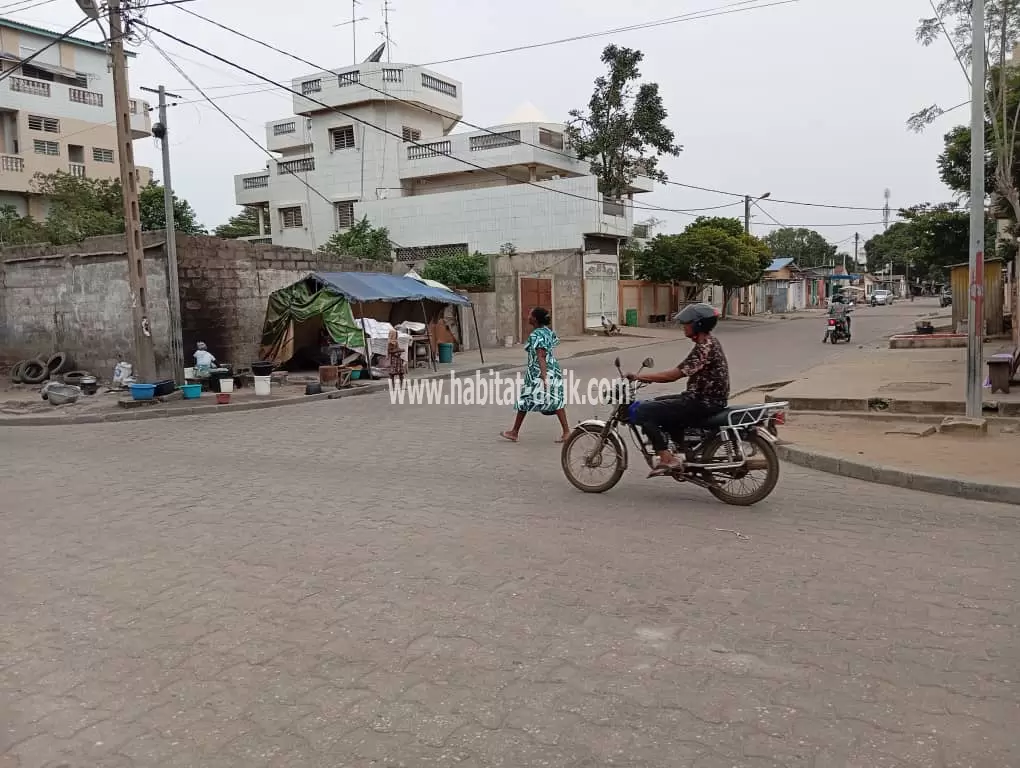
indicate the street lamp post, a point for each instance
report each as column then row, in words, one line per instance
column 748, row 202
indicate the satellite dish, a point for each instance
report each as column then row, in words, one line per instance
column 376, row 55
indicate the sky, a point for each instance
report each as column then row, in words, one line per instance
column 807, row 101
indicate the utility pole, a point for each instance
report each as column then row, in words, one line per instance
column 857, row 243
column 748, row 202
column 145, row 356
column 161, row 132
column 975, row 304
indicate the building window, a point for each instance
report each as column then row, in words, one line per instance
column 46, row 147
column 102, row 155
column 311, row 86
column 344, row 214
column 303, row 165
column 81, row 80
column 411, row 134
column 283, row 128
column 36, row 74
column 47, row 124
column 341, row 138
column 290, row 218
column 549, row 138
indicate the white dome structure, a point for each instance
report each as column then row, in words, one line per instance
column 526, row 113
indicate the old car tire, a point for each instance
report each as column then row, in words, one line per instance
column 34, row 372
column 59, row 363
column 74, row 377
column 16, row 371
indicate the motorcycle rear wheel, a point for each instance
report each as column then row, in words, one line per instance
column 762, row 448
column 583, row 441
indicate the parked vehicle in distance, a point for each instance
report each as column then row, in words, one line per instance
column 882, row 297
column 946, row 298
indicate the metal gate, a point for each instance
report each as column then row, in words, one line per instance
column 776, row 292
column 601, row 289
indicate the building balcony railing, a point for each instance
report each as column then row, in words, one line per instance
column 393, row 75
column 81, row 96
column 255, row 182
column 30, row 86
column 435, row 84
column 494, row 140
column 12, row 164
column 435, row 149
column 76, row 169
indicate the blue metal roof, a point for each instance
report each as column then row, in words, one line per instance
column 778, row 264
column 380, row 286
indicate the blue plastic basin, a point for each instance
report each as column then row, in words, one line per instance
column 142, row 391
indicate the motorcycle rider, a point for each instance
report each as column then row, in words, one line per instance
column 838, row 309
column 708, row 387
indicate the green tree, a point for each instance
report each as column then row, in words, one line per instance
column 86, row 207
column 244, row 224
column 953, row 20
column 362, row 241
column 805, row 246
column 931, row 237
column 623, row 133
column 152, row 211
column 460, row 271
column 711, row 250
column 16, row 229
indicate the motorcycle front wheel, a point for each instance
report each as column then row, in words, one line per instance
column 746, row 487
column 589, row 467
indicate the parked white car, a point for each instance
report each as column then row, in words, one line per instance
column 881, row 297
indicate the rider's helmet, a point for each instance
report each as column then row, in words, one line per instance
column 701, row 317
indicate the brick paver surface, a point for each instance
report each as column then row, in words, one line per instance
column 358, row 584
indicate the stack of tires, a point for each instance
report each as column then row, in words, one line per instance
column 56, row 367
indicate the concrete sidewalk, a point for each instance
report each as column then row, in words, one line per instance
column 920, row 381
column 908, row 453
column 23, row 406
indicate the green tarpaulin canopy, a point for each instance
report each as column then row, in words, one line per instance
column 299, row 303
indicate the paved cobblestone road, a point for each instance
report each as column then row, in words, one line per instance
column 359, row 584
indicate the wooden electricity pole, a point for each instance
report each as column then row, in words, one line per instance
column 144, row 362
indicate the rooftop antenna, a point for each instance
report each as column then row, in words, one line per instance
column 386, row 28
column 354, row 27
column 885, row 209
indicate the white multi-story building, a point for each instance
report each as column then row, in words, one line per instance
column 376, row 141
column 57, row 113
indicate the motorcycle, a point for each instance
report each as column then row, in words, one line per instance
column 720, row 455
column 836, row 330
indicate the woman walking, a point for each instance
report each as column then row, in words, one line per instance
column 543, row 390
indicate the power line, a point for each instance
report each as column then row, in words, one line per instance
column 671, row 20
column 423, row 108
column 773, row 218
column 388, row 132
column 26, row 8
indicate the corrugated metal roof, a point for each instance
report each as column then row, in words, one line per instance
column 778, row 264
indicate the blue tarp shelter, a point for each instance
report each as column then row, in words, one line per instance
column 329, row 295
column 379, row 286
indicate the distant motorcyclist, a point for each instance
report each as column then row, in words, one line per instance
column 708, row 388
column 839, row 308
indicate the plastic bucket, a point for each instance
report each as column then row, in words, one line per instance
column 263, row 385
column 191, row 391
column 142, row 391
column 226, row 385
column 261, row 369
column 445, row 352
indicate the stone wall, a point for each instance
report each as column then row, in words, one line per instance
column 225, row 286
column 77, row 299
column 563, row 267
